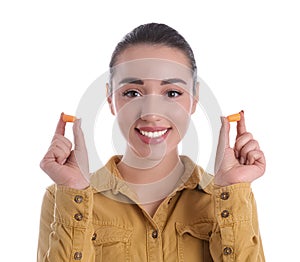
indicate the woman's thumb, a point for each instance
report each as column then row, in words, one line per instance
column 80, row 150
column 224, row 142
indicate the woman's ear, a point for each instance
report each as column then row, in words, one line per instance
column 109, row 99
column 196, row 97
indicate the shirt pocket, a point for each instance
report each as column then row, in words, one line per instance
column 193, row 242
column 112, row 244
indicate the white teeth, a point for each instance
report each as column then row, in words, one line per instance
column 153, row 134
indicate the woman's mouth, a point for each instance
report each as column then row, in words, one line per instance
column 151, row 135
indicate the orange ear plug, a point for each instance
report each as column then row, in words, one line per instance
column 234, row 117
column 68, row 118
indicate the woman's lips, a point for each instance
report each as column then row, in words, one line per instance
column 152, row 135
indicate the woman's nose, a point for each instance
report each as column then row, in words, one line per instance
column 151, row 108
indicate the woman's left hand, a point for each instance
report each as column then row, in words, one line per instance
column 245, row 162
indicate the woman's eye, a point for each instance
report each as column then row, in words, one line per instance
column 131, row 93
column 173, row 93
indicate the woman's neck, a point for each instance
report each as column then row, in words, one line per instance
column 136, row 170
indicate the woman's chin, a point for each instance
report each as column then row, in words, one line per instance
column 151, row 152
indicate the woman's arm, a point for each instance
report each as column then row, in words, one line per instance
column 66, row 229
column 236, row 235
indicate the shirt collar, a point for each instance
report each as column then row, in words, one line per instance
column 108, row 179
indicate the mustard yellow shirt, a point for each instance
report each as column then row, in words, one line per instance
column 194, row 223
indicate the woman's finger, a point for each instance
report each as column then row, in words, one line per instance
column 80, row 148
column 60, row 154
column 257, row 158
column 240, row 142
column 59, row 139
column 53, row 158
column 223, row 142
column 61, row 126
column 78, row 136
column 241, row 125
column 61, row 149
column 249, row 146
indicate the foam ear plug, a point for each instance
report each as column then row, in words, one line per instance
column 234, row 117
column 68, row 118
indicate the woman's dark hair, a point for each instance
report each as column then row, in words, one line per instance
column 154, row 33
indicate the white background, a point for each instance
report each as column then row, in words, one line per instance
column 51, row 51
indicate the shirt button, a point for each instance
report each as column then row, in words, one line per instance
column 77, row 255
column 155, row 234
column 224, row 195
column 78, row 199
column 225, row 213
column 227, row 251
column 78, row 216
column 94, row 237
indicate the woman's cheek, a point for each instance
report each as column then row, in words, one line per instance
column 180, row 119
column 127, row 115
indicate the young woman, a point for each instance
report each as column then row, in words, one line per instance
column 151, row 204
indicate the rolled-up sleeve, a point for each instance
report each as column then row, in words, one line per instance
column 66, row 229
column 236, row 234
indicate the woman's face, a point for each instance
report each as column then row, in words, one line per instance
column 152, row 97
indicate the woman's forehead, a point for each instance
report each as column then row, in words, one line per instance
column 152, row 69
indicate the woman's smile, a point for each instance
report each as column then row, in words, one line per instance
column 152, row 135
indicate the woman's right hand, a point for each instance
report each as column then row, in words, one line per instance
column 63, row 165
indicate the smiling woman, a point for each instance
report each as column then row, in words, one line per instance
column 151, row 204
column 153, row 107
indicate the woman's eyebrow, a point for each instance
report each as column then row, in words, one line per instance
column 131, row 80
column 172, row 81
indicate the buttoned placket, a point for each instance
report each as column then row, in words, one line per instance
column 78, row 199
column 154, row 241
column 226, row 220
column 154, row 228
